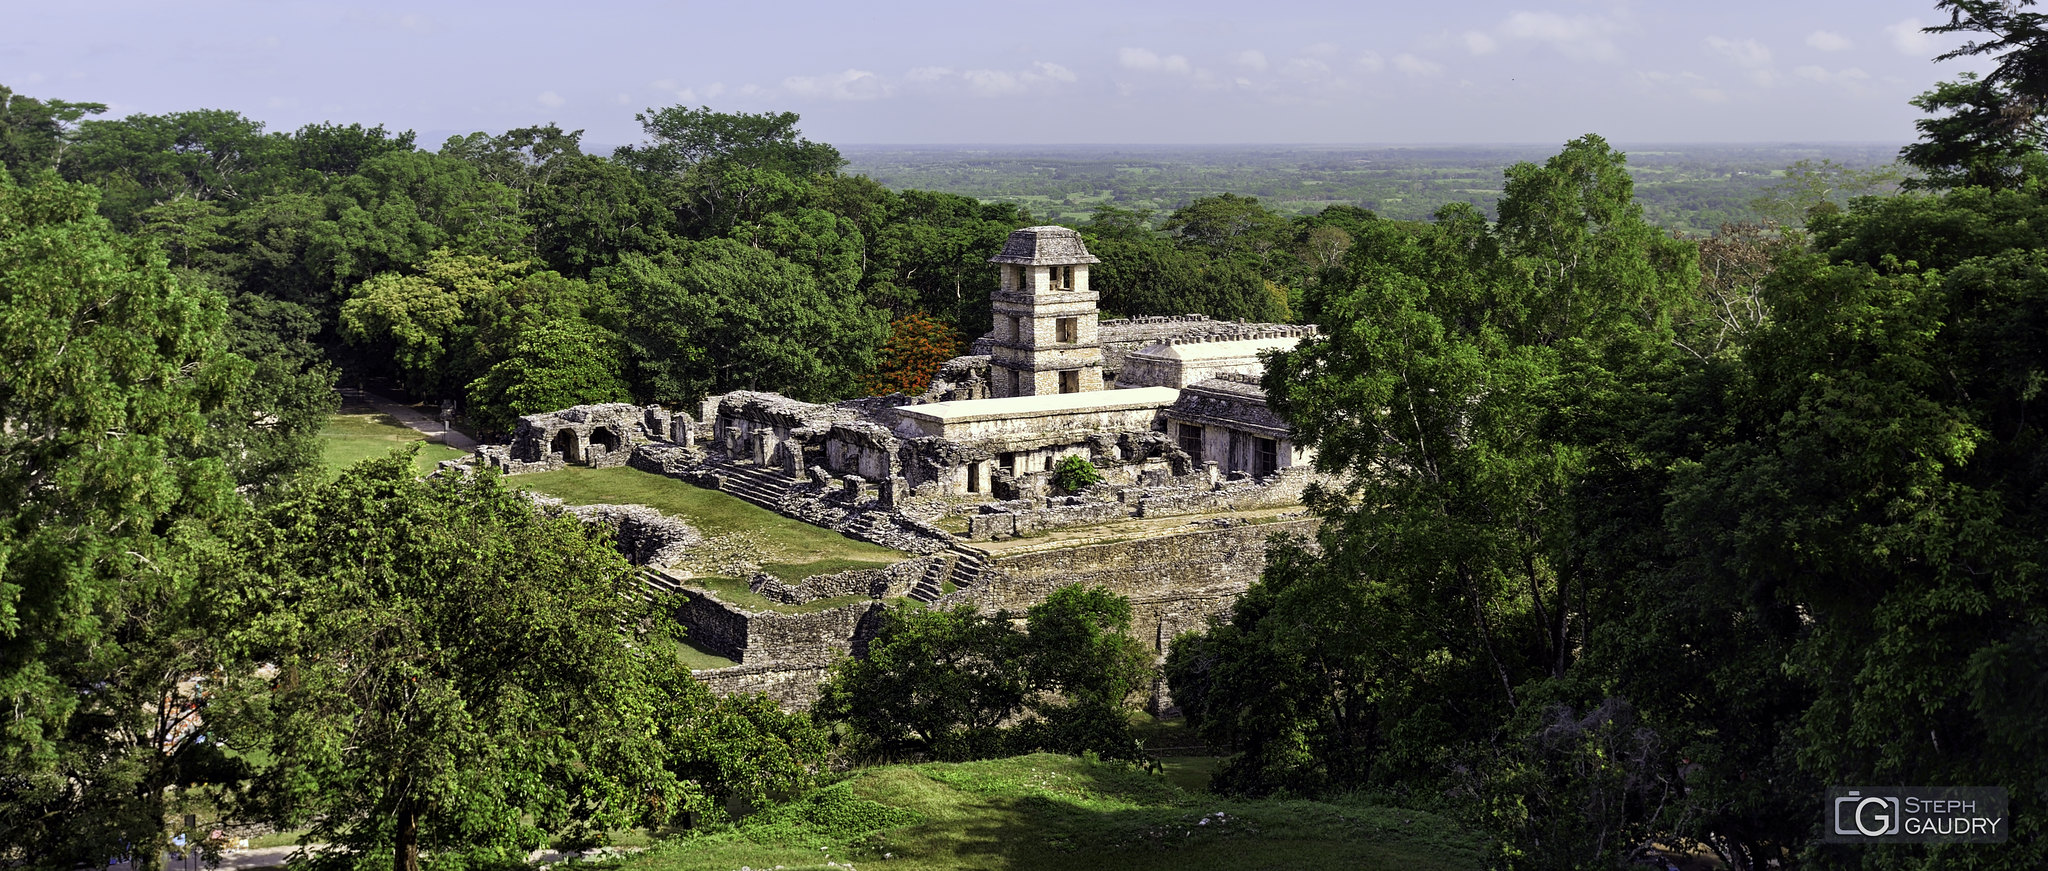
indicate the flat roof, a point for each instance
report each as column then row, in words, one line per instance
column 962, row 410
column 1216, row 350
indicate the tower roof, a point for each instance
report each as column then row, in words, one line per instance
column 1044, row 246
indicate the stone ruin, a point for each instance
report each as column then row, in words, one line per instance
column 1168, row 410
column 599, row 436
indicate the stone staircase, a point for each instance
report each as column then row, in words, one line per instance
column 656, row 583
column 969, row 564
column 760, row 485
column 958, row 563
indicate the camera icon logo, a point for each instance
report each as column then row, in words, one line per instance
column 1871, row 816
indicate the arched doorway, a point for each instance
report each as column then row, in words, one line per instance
column 565, row 444
column 606, row 438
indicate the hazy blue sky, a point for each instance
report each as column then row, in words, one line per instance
column 1190, row 71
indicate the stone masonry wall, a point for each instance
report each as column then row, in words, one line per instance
column 895, row 580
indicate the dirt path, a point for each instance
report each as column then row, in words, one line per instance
column 434, row 430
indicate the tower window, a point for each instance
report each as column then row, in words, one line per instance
column 1070, row 381
column 1069, row 330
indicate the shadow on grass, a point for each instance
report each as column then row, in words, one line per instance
column 1056, row 812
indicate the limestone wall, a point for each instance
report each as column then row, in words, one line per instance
column 895, row 580
column 1276, row 491
column 794, row 687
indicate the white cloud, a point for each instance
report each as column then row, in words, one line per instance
column 1907, row 38
column 1054, row 72
column 1147, row 59
column 1416, row 66
column 1851, row 78
column 1479, row 43
column 550, row 99
column 688, row 95
column 1746, row 53
column 1579, row 37
column 1371, row 62
column 1320, row 49
column 992, row 83
column 1828, row 40
column 1306, row 68
column 1251, row 58
column 849, row 85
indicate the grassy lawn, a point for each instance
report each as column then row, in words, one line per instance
column 353, row 437
column 790, row 549
column 1052, row 812
column 693, row 656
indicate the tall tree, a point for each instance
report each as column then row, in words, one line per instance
column 456, row 673
column 35, row 133
column 721, row 168
column 720, row 315
column 1473, row 396
column 105, row 477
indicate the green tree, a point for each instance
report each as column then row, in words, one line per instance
column 35, row 133
column 722, row 168
column 455, row 673
column 1088, row 670
column 720, row 315
column 1075, row 474
column 940, row 682
column 552, row 365
column 421, row 322
column 1970, row 142
column 108, row 484
column 1227, row 225
column 401, row 206
column 1880, row 429
column 1810, row 185
column 208, row 155
column 1474, row 394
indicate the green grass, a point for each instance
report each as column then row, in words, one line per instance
column 1055, row 812
column 348, row 439
column 790, row 548
column 693, row 657
column 734, row 591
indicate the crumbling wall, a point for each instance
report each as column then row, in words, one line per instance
column 794, row 687
column 645, row 536
column 1275, row 491
column 894, row 580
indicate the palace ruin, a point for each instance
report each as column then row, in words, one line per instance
column 1197, row 472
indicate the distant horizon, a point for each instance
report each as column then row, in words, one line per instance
column 1311, row 72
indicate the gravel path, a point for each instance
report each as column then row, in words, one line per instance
column 412, row 417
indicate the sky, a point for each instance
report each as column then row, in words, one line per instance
column 1188, row 72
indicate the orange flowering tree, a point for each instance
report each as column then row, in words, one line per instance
column 918, row 345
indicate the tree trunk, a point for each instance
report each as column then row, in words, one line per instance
column 407, row 855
